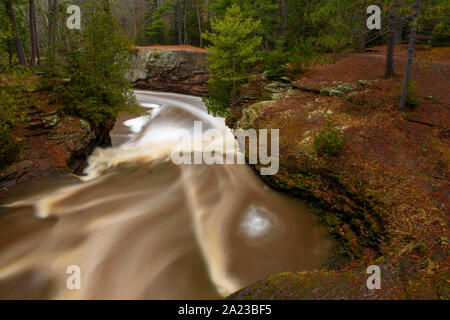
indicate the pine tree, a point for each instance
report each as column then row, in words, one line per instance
column 17, row 39
column 233, row 51
column 95, row 60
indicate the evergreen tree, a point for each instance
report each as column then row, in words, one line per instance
column 95, row 60
column 233, row 51
column 16, row 34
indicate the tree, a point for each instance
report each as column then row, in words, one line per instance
column 52, row 16
column 95, row 60
column 199, row 19
column 179, row 23
column 390, row 41
column 33, row 35
column 17, row 39
column 233, row 51
column 412, row 41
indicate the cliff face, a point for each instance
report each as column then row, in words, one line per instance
column 52, row 143
column 182, row 69
column 383, row 197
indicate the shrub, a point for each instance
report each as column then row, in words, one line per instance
column 412, row 99
column 302, row 55
column 329, row 141
column 9, row 148
column 14, row 100
column 275, row 63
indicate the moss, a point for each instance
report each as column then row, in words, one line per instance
column 250, row 114
column 351, row 219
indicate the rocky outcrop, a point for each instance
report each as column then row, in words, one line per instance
column 52, row 144
column 170, row 70
column 382, row 197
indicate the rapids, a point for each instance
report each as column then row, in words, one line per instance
column 140, row 227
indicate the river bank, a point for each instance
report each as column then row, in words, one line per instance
column 52, row 144
column 384, row 197
column 170, row 231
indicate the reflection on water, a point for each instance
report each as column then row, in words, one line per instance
column 140, row 227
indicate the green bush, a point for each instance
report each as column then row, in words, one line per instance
column 275, row 63
column 302, row 56
column 9, row 148
column 329, row 141
column 412, row 99
column 14, row 99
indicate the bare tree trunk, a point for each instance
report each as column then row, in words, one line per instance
column 17, row 39
column 283, row 12
column 53, row 11
column 179, row 23
column 397, row 30
column 412, row 41
column 186, row 36
column 390, row 44
column 199, row 18
column 33, row 34
column 362, row 39
column 304, row 19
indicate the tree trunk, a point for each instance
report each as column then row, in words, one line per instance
column 412, row 41
column 33, row 34
column 53, row 11
column 397, row 30
column 283, row 12
column 17, row 39
column 199, row 18
column 362, row 39
column 186, row 36
column 304, row 19
column 179, row 23
column 390, row 47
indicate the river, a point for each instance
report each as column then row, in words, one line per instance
column 140, row 227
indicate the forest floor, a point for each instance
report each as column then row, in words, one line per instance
column 385, row 197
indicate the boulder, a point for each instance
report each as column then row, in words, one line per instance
column 277, row 87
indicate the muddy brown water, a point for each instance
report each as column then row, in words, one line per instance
column 140, row 227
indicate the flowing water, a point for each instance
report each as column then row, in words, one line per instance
column 140, row 227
